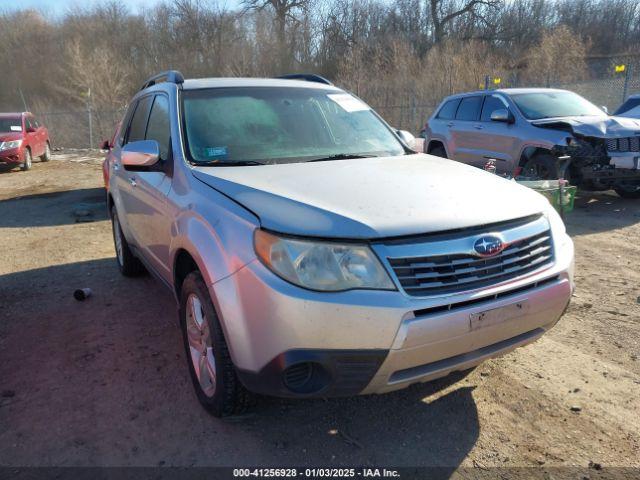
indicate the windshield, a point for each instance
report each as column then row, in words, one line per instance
column 535, row 106
column 281, row 125
column 631, row 105
column 10, row 125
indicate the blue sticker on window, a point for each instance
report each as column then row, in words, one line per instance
column 217, row 152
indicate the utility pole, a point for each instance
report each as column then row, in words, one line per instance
column 90, row 118
column 24, row 102
column 627, row 74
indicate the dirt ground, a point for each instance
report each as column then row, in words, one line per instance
column 105, row 382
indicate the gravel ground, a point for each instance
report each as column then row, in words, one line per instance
column 104, row 382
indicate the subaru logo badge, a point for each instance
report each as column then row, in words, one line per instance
column 488, row 245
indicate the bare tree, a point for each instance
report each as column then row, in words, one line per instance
column 283, row 10
column 444, row 13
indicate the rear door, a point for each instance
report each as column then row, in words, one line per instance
column 465, row 133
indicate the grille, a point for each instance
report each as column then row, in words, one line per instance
column 625, row 144
column 422, row 276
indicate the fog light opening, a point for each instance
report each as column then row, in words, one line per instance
column 307, row 377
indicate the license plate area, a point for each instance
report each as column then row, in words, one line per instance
column 498, row 315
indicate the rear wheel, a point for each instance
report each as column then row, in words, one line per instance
column 212, row 372
column 26, row 164
column 628, row 190
column 128, row 264
column 46, row 156
column 438, row 151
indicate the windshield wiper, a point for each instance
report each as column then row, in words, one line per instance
column 340, row 156
column 239, row 163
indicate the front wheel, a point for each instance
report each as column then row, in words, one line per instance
column 628, row 190
column 212, row 372
column 26, row 165
column 542, row 166
column 46, row 156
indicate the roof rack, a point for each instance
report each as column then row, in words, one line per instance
column 309, row 77
column 171, row 76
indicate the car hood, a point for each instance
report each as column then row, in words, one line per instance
column 372, row 197
column 594, row 126
column 9, row 136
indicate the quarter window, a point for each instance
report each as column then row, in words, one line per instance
column 448, row 110
column 469, row 108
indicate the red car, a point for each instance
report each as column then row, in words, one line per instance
column 22, row 138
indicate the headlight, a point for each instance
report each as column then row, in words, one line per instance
column 320, row 265
column 10, row 145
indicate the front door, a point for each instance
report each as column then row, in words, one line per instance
column 148, row 192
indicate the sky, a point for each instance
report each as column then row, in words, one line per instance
column 58, row 7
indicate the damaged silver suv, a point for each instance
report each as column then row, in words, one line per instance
column 527, row 130
column 312, row 253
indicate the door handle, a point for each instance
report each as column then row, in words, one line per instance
column 478, row 127
column 450, row 124
column 132, row 181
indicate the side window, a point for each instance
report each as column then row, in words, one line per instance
column 27, row 123
column 491, row 104
column 469, row 108
column 138, row 125
column 448, row 110
column 159, row 126
column 124, row 127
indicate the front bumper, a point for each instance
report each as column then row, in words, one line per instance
column 362, row 342
column 12, row 156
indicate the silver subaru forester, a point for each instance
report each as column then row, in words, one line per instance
column 312, row 252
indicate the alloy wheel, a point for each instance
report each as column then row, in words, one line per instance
column 200, row 345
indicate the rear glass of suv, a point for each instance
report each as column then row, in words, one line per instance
column 448, row 110
column 469, row 108
column 281, row 125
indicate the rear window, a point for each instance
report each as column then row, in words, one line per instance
column 469, row 108
column 448, row 110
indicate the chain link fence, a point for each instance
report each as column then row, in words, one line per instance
column 80, row 128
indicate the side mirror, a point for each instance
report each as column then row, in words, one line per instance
column 501, row 115
column 105, row 145
column 606, row 110
column 141, row 154
column 407, row 138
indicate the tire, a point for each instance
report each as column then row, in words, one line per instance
column 46, row 156
column 542, row 166
column 438, row 151
column 28, row 160
column 128, row 264
column 628, row 191
column 212, row 372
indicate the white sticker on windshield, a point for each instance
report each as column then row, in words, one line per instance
column 16, row 128
column 348, row 102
